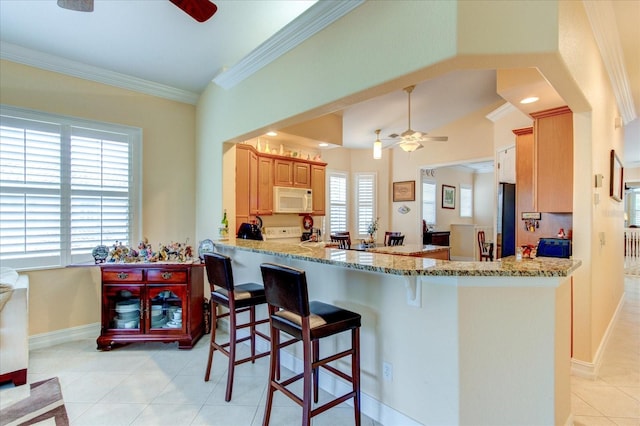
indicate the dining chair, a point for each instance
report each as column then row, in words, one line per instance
column 395, row 240
column 343, row 240
column 486, row 249
column 389, row 234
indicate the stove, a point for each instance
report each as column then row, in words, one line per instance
column 282, row 234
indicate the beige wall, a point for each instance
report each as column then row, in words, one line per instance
column 70, row 297
column 552, row 36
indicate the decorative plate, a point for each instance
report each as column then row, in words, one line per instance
column 307, row 222
column 259, row 221
column 206, row 246
column 100, row 253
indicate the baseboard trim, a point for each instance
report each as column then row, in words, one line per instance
column 45, row 340
column 590, row 370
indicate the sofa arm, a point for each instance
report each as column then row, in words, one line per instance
column 14, row 334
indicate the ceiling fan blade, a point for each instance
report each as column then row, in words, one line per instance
column 77, row 5
column 200, row 10
column 427, row 138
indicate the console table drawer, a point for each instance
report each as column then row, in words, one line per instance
column 166, row 276
column 125, row 275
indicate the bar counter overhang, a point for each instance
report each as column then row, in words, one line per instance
column 469, row 342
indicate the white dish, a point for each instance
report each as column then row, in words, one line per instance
column 172, row 324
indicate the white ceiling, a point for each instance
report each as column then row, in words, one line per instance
column 129, row 39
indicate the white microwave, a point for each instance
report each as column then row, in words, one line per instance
column 291, row 200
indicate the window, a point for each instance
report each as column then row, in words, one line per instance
column 466, row 201
column 337, row 202
column 429, row 201
column 66, row 186
column 365, row 202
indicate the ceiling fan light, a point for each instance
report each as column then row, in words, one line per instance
column 410, row 146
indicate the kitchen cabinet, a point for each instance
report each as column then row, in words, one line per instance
column 507, row 165
column 525, row 154
column 265, row 186
column 151, row 302
column 292, row 173
column 553, row 164
column 257, row 173
column 318, row 184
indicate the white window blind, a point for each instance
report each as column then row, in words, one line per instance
column 337, row 202
column 365, row 202
column 66, row 185
column 635, row 214
column 466, row 201
column 429, row 202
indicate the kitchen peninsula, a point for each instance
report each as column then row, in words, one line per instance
column 467, row 342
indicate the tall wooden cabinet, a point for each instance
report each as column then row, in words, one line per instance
column 318, row 189
column 553, row 135
column 544, row 174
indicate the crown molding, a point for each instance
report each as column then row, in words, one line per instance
column 313, row 20
column 48, row 62
column 501, row 111
column 605, row 30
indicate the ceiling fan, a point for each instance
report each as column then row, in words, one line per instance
column 410, row 139
column 200, row 10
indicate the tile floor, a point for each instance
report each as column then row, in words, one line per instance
column 154, row 383
column 613, row 398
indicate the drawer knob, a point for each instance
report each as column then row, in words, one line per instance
column 167, row 275
column 123, row 275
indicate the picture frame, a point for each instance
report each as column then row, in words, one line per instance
column 448, row 197
column 404, row 191
column 616, row 182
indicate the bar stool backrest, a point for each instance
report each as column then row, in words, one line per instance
column 219, row 271
column 286, row 288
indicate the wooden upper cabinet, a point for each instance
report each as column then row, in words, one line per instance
column 318, row 189
column 525, row 154
column 265, row 186
column 257, row 174
column 301, row 175
column 553, row 136
column 292, row 173
column 282, row 172
column 253, row 183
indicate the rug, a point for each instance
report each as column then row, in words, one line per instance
column 44, row 405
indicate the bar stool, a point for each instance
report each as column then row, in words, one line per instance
column 486, row 249
column 237, row 299
column 290, row 311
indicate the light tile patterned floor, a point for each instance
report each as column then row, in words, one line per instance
column 157, row 384
column 613, row 398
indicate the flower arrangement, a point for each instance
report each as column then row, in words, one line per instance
column 174, row 252
column 373, row 227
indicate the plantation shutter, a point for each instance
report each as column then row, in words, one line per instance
column 337, row 202
column 365, row 202
column 30, row 188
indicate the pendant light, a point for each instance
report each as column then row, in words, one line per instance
column 377, row 147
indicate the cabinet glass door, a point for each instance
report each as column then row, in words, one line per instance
column 166, row 307
column 122, row 307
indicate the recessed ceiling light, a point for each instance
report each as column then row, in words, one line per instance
column 529, row 100
column 323, row 144
column 272, row 134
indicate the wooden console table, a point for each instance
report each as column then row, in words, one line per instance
column 158, row 302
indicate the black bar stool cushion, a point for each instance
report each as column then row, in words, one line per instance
column 325, row 320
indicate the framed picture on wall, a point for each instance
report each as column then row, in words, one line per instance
column 404, row 191
column 615, row 178
column 448, row 197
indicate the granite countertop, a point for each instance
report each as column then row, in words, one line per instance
column 407, row 265
column 409, row 249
